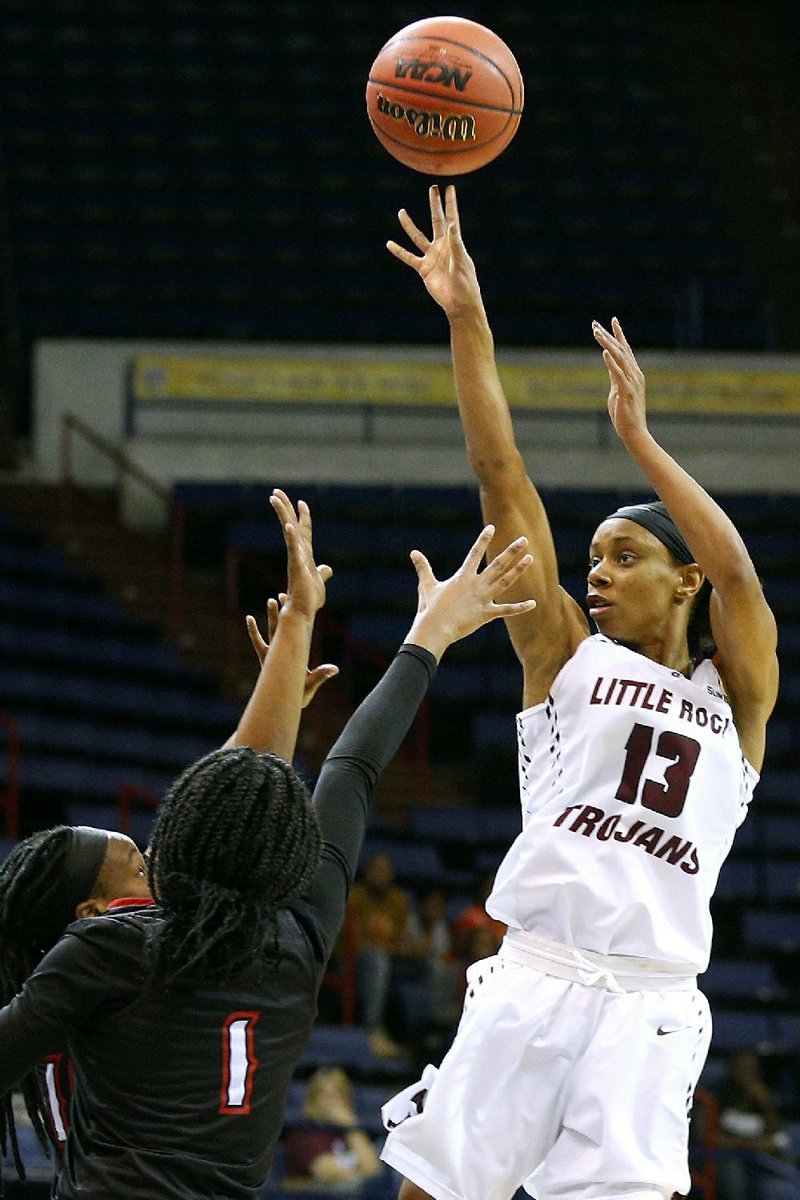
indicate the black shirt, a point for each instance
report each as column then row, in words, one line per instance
column 180, row 1091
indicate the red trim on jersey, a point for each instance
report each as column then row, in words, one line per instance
column 58, row 1062
column 243, row 1109
column 130, row 902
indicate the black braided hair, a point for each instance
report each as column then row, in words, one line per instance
column 30, row 924
column 236, row 838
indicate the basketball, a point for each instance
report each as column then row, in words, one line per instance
column 444, row 96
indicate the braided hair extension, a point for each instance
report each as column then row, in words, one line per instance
column 236, row 838
column 31, row 922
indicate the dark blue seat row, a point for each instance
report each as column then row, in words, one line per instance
column 22, row 687
column 131, row 743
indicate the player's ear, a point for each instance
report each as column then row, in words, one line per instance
column 93, row 907
column 690, row 582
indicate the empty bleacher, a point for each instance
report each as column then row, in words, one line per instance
column 100, row 700
column 196, row 172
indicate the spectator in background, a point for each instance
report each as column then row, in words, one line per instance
column 430, row 942
column 428, row 929
column 379, row 911
column 329, row 1148
column 755, row 1160
column 475, row 916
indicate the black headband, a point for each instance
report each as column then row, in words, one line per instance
column 84, row 859
column 655, row 518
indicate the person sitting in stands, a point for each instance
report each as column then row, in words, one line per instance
column 753, row 1163
column 379, row 911
column 475, row 916
column 329, row 1147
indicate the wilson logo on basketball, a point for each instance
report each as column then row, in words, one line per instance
column 432, row 72
column 450, row 127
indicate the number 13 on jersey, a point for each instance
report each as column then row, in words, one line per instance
column 681, row 751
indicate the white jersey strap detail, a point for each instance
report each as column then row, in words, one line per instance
column 614, row 972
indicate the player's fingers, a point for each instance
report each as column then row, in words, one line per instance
column 325, row 572
column 438, row 223
column 292, row 539
column 502, row 561
column 282, row 506
column 633, row 367
column 315, row 680
column 451, row 207
column 422, row 567
column 413, row 231
column 404, row 255
column 618, row 333
column 605, row 338
column 272, row 617
column 256, row 640
column 479, row 548
column 513, row 610
column 621, row 352
column 510, row 575
column 616, row 375
column 305, row 524
column 616, row 368
column 610, row 343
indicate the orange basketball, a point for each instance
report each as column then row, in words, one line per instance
column 444, row 96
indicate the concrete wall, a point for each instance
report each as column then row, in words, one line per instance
column 275, row 443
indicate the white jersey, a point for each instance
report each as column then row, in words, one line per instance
column 633, row 784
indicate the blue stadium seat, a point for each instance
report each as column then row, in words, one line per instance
column 742, row 1030
column 494, row 730
column 781, row 831
column 741, row 878
column 499, row 824
column 766, row 928
column 777, row 785
column 465, row 683
column 412, row 860
column 741, row 977
column 446, row 824
column 348, row 1047
column 787, row 1031
column 782, row 880
column 74, row 777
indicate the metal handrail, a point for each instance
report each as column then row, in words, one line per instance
column 129, row 794
column 9, row 798
column 72, row 426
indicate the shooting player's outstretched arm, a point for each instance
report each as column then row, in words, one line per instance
column 543, row 640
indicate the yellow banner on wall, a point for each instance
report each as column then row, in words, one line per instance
column 158, row 379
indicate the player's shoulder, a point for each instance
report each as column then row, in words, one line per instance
column 115, row 929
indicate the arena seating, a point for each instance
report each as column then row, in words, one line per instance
column 119, row 703
column 100, row 699
column 191, row 191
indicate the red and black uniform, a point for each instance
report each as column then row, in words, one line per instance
column 179, row 1092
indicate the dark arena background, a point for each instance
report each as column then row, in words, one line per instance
column 197, row 305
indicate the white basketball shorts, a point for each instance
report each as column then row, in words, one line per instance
column 575, row 1092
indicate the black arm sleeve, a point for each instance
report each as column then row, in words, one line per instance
column 347, row 780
